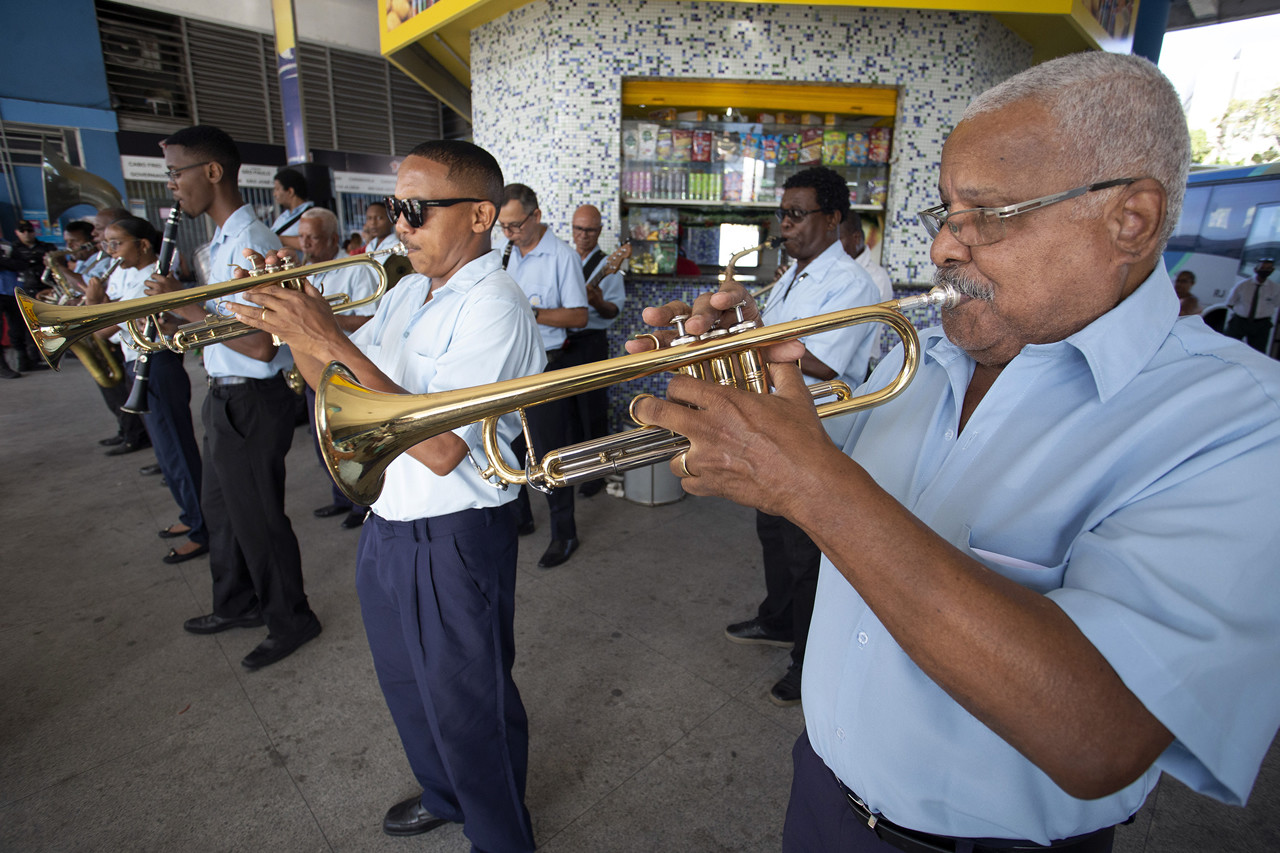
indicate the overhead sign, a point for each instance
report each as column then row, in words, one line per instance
column 154, row 169
column 362, row 182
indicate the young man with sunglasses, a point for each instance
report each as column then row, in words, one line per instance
column 549, row 271
column 436, row 565
column 248, row 421
column 823, row 278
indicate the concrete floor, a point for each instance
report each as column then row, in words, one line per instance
column 649, row 732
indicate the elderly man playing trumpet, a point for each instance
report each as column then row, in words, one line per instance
column 1049, row 568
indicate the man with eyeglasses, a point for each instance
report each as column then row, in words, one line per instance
column 436, row 566
column 550, row 274
column 815, row 202
column 1049, row 566
column 254, row 559
column 589, row 412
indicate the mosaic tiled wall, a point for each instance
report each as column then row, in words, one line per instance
column 546, row 84
column 546, row 92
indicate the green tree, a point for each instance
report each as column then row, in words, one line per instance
column 1200, row 147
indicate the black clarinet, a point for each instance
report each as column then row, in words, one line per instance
column 137, row 402
column 506, row 254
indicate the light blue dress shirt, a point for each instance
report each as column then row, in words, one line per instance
column 358, row 281
column 551, row 277
column 1128, row 473
column 478, row 328
column 242, row 230
column 830, row 282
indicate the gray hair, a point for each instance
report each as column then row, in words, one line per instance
column 326, row 216
column 1122, row 117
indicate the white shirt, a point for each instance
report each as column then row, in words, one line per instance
column 358, row 281
column 1242, row 297
column 382, row 243
column 878, row 274
column 128, row 284
column 293, row 217
column 476, row 329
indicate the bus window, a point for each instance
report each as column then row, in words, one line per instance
column 1264, row 238
column 1188, row 230
column 1230, row 215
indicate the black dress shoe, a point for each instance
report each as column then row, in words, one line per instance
column 557, row 552
column 176, row 556
column 274, row 649
column 128, row 447
column 111, row 442
column 330, row 511
column 355, row 519
column 591, row 488
column 149, row 470
column 410, row 818
column 526, row 528
column 786, row 692
column 215, row 624
column 753, row 633
column 7, row 372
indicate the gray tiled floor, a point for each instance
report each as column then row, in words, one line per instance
column 649, row 732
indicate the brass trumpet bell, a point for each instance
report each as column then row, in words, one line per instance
column 362, row 431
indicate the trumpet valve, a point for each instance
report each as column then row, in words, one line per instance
column 682, row 337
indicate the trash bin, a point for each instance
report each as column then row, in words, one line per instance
column 652, row 485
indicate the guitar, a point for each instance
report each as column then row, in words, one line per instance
column 611, row 265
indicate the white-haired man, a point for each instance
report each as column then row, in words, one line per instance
column 319, row 238
column 1049, row 569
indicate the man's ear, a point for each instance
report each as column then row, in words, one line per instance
column 1139, row 218
column 485, row 214
column 215, row 171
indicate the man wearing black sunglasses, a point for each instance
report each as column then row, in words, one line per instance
column 436, row 565
column 823, row 278
column 550, row 273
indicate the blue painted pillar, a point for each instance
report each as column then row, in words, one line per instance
column 295, row 132
column 1149, row 29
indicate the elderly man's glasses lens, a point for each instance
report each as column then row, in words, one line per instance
column 172, row 174
column 795, row 214
column 513, row 227
column 982, row 226
column 414, row 210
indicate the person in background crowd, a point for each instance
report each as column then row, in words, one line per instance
column 1187, row 302
column 589, row 412
column 10, row 314
column 1049, row 566
column 1253, row 303
column 355, row 244
column 550, row 274
column 290, row 192
column 814, row 205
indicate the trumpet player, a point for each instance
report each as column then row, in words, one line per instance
column 254, row 559
column 441, row 637
column 815, row 202
column 318, row 236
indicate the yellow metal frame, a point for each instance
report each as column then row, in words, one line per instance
column 744, row 95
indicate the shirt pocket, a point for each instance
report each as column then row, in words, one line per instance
column 1036, row 576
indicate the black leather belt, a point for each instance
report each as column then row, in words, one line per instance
column 923, row 842
column 224, row 381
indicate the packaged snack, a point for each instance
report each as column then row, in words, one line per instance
column 811, row 118
column 691, row 115
column 728, row 148
column 771, row 149
column 630, row 142
column 702, row 146
column 856, row 149
column 648, row 147
column 665, row 114
column 878, row 150
column 681, row 145
column 766, row 118
column 663, row 145
column 788, row 118
column 833, row 147
column 733, row 185
column 793, row 151
column 810, row 146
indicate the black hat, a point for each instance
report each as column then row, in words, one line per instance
column 25, row 225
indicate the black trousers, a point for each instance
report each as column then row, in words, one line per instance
column 339, row 499
column 589, row 412
column 549, row 429
column 791, row 562
column 129, row 426
column 253, row 552
column 1253, row 332
column 173, row 437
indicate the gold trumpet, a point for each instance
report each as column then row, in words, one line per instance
column 96, row 354
column 56, row 328
column 362, row 431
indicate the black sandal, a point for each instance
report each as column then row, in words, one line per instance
column 170, row 533
column 174, row 557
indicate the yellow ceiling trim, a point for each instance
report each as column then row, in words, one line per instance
column 789, row 97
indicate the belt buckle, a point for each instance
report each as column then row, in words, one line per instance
column 861, row 808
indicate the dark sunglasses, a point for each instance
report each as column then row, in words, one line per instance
column 414, row 209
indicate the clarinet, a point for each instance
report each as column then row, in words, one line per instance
column 137, row 402
column 506, row 254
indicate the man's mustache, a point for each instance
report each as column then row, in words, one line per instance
column 967, row 286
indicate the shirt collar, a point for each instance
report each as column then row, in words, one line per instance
column 473, row 271
column 1117, row 346
column 817, row 268
column 236, row 222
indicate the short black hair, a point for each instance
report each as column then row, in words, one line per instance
column 381, row 204
column 210, row 143
column 831, row 190
column 81, row 228
column 139, row 229
column 292, row 179
column 472, row 168
column 519, row 192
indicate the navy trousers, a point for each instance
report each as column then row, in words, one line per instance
column 438, row 600
column 173, row 437
column 549, row 429
column 791, row 563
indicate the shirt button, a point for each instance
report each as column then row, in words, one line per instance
column 950, row 434
column 862, row 637
column 839, row 734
